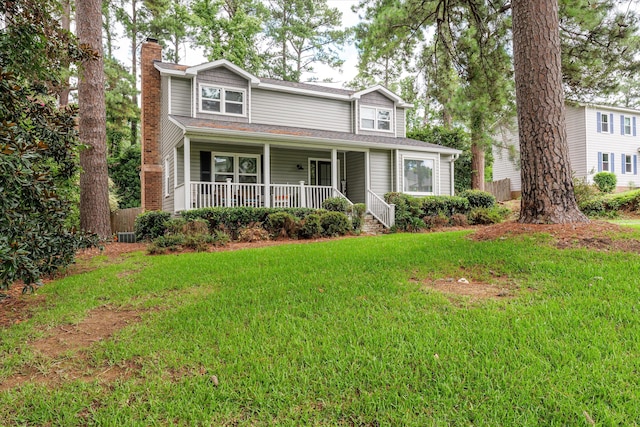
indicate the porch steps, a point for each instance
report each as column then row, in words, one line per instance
column 372, row 225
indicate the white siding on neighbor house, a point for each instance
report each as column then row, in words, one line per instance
column 577, row 140
column 503, row 166
column 380, row 167
column 226, row 78
column 376, row 99
column 181, row 93
column 355, row 177
column 613, row 143
column 304, row 111
column 401, row 123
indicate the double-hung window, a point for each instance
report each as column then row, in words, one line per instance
column 220, row 100
column 626, row 130
column 605, row 162
column 604, row 123
column 241, row 168
column 628, row 125
column 628, row 166
column 372, row 118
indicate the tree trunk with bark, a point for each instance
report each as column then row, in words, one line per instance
column 94, row 192
column 547, row 186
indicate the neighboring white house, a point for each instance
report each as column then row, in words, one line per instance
column 600, row 138
column 216, row 135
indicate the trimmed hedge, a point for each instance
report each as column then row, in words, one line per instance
column 445, row 205
column 233, row 219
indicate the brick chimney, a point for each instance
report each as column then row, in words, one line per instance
column 151, row 171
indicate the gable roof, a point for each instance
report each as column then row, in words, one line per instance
column 278, row 85
column 264, row 132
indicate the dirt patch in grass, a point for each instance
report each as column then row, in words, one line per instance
column 62, row 356
column 596, row 235
column 500, row 287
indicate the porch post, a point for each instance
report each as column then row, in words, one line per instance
column 367, row 172
column 267, row 175
column 228, row 193
column 187, row 173
column 303, row 195
column 334, row 168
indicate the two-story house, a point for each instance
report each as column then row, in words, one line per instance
column 216, row 135
column 600, row 138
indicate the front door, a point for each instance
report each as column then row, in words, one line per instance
column 320, row 172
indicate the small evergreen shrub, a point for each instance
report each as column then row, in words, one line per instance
column 253, row 233
column 459, row 220
column 357, row 215
column 583, row 190
column 281, row 224
column 174, row 225
column 593, row 207
column 487, row 216
column 334, row 224
column 336, row 204
column 199, row 242
column 150, row 225
column 161, row 244
column 479, row 199
column 310, row 227
column 435, row 221
column 606, row 181
column 414, row 225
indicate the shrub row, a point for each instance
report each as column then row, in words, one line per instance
column 609, row 205
column 470, row 207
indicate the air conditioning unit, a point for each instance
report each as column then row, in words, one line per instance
column 128, row 237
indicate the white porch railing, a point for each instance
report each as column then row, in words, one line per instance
column 381, row 210
column 230, row 194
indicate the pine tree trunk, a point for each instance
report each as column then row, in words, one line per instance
column 94, row 192
column 547, row 186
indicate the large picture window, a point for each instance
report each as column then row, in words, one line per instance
column 418, row 175
column 221, row 100
column 375, row 118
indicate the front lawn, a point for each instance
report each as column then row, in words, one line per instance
column 360, row 331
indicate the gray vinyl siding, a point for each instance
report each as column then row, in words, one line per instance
column 355, row 177
column 577, row 140
column 503, row 166
column 170, row 135
column 224, row 77
column 284, row 163
column 197, row 147
column 380, row 165
column 180, row 164
column 376, row 99
column 401, row 123
column 304, row 111
column 445, row 175
column 181, row 92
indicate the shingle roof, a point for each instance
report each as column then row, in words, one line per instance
column 307, row 86
column 210, row 126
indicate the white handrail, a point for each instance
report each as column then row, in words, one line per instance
column 381, row 210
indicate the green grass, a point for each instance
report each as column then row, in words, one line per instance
column 338, row 333
column 634, row 223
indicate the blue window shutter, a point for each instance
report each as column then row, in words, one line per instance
column 624, row 163
column 611, row 123
column 599, row 122
column 635, row 164
column 599, row 159
column 621, row 124
column 612, row 162
column 633, row 120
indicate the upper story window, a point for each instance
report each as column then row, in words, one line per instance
column 604, row 122
column 214, row 99
column 375, row 118
column 626, row 129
